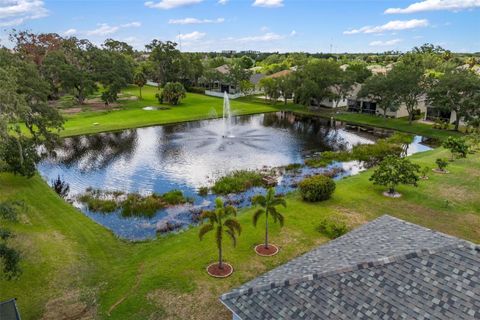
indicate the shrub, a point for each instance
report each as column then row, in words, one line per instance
column 9, row 209
column 441, row 164
column 173, row 197
column 94, row 203
column 172, row 93
column 424, row 172
column 457, row 146
column 198, row 90
column 373, row 154
column 9, row 257
column 332, row 228
column 238, row 181
column 317, row 188
column 394, row 171
column 203, row 191
column 136, row 205
column 61, row 187
column 327, row 157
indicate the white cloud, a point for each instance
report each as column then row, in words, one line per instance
column 105, row 29
column 222, row 1
column 268, row 3
column 16, row 12
column 436, row 5
column 192, row 36
column 269, row 36
column 391, row 26
column 195, row 21
column 266, row 37
column 69, row 32
column 387, row 43
column 170, row 4
column 134, row 24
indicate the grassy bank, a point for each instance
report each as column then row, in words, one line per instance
column 421, row 129
column 71, row 264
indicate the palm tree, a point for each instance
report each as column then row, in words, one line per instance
column 268, row 204
column 219, row 220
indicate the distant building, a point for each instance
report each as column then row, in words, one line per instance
column 219, row 87
column 370, row 106
column 385, row 269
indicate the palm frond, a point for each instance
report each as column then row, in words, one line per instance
column 270, row 194
column 211, row 215
column 233, row 225
column 259, row 200
column 204, row 230
column 279, row 202
column 257, row 216
column 230, row 210
column 232, row 236
column 280, row 218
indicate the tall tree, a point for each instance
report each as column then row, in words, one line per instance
column 410, row 85
column 380, row 89
column 140, row 79
column 165, row 58
column 23, row 102
column 318, row 77
column 457, row 91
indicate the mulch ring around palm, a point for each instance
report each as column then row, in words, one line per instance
column 215, row 271
column 269, row 251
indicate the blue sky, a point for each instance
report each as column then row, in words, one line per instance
column 265, row 25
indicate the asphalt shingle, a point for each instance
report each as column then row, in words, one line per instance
column 386, row 269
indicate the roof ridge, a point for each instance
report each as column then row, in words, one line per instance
column 357, row 266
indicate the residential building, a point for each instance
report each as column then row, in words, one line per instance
column 385, row 269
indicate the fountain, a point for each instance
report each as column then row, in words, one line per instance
column 227, row 117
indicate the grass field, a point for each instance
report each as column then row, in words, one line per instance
column 131, row 114
column 74, row 268
column 197, row 107
column 72, row 265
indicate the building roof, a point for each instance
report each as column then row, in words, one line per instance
column 386, row 269
column 8, row 310
column 280, row 74
column 225, row 69
column 256, row 77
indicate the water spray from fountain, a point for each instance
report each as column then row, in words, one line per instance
column 227, row 117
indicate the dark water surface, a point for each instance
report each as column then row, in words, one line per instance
column 190, row 155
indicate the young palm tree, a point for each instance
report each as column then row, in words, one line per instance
column 268, row 204
column 220, row 222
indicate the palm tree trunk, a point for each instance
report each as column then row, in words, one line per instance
column 266, row 229
column 220, row 257
column 140, row 92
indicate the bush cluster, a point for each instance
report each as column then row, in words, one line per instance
column 132, row 204
column 317, row 188
column 238, row 181
column 332, row 228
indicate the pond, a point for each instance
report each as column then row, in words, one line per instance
column 191, row 155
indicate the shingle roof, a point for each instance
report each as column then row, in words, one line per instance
column 386, row 269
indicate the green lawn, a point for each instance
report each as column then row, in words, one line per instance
column 75, row 267
column 131, row 114
column 197, row 107
column 71, row 263
column 401, row 124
